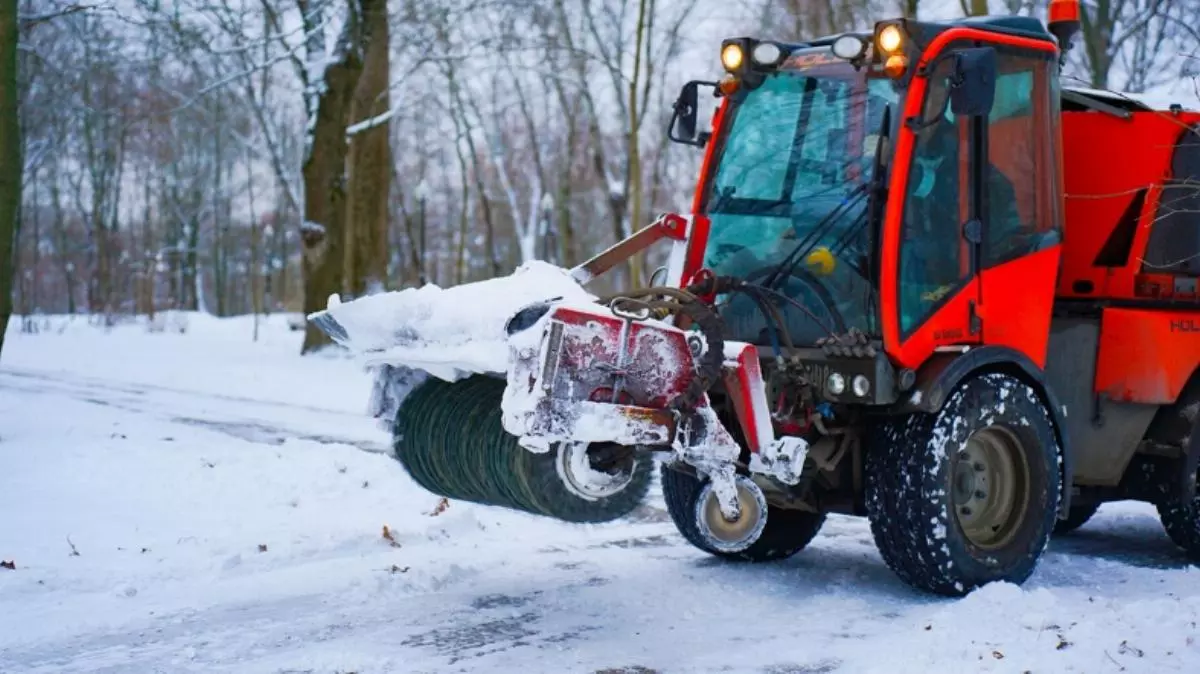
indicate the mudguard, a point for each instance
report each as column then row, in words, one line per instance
column 939, row 376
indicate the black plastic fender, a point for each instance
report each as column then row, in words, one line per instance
column 939, row 376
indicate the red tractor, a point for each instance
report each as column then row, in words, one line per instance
column 922, row 282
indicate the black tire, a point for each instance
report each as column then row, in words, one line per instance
column 1174, row 479
column 1077, row 517
column 915, row 465
column 1181, row 520
column 785, row 533
column 1178, row 499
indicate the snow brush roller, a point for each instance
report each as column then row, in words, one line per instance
column 449, row 438
column 527, row 392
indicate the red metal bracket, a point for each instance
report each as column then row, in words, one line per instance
column 666, row 226
column 702, row 275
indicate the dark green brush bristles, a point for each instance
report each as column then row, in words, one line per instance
column 449, row 438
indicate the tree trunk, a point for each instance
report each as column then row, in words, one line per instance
column 10, row 156
column 974, row 7
column 635, row 155
column 323, row 232
column 366, row 254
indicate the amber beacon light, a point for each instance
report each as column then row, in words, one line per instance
column 1063, row 22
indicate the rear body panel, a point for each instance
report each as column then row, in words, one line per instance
column 1115, row 170
column 1104, row 435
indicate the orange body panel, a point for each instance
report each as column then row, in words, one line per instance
column 1099, row 190
column 1016, row 308
column 1146, row 356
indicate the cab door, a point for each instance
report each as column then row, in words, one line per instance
column 1020, row 184
column 937, row 288
column 974, row 220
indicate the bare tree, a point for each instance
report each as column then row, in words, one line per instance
column 370, row 158
column 10, row 156
column 323, row 232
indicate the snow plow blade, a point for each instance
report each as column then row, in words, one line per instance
column 329, row 325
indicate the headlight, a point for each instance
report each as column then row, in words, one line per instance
column 849, row 47
column 890, row 38
column 861, row 386
column 732, row 56
column 836, row 384
column 766, row 54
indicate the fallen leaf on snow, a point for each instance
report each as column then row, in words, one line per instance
column 387, row 536
column 8, row 564
column 440, row 508
column 399, row 569
column 1126, row 648
column 998, row 655
column 262, row 547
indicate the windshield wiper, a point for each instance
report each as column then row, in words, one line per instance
column 789, row 263
column 878, row 192
column 871, row 216
column 746, row 205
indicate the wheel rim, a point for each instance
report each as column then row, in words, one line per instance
column 585, row 480
column 732, row 535
column 991, row 487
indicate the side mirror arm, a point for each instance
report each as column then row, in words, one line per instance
column 683, row 109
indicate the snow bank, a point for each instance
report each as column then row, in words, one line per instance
column 1006, row 628
column 450, row 332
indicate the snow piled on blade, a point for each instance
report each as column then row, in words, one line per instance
column 450, row 332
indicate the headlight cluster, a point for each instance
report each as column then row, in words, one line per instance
column 889, row 41
column 761, row 55
column 859, row 384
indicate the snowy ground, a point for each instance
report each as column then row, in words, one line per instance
column 199, row 502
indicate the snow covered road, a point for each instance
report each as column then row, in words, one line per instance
column 199, row 502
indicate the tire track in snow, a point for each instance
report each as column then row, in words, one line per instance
column 248, row 419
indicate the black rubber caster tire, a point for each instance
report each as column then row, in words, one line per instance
column 785, row 533
column 921, row 474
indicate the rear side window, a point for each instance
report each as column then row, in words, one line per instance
column 1020, row 163
column 1174, row 245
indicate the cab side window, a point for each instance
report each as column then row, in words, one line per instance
column 931, row 262
column 1019, row 171
column 1174, row 245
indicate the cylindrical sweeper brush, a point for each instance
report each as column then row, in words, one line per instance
column 450, row 439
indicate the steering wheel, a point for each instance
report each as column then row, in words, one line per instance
column 744, row 319
column 797, row 284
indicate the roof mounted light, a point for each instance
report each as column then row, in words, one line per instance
column 895, row 66
column 732, row 57
column 849, row 47
column 890, row 39
column 766, row 54
column 1063, row 24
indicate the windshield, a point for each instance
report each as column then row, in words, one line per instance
column 788, row 200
